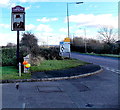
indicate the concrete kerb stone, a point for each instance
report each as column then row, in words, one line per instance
column 52, row 79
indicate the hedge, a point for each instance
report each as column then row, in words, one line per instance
column 9, row 54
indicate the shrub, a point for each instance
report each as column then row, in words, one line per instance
column 38, row 54
column 36, row 60
column 9, row 56
column 50, row 53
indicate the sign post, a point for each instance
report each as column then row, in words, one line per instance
column 18, row 24
column 17, row 47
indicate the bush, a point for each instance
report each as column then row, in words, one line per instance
column 47, row 53
column 50, row 53
column 36, row 60
column 9, row 56
column 78, row 48
column 38, row 54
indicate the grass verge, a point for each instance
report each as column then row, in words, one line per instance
column 10, row 72
column 106, row 55
column 48, row 65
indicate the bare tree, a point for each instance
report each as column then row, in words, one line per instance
column 29, row 40
column 107, row 33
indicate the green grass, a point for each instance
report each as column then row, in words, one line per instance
column 110, row 55
column 48, row 65
column 10, row 72
column 107, row 55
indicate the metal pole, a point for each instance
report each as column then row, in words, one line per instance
column 85, row 41
column 19, row 69
column 68, row 19
column 18, row 48
column 68, row 24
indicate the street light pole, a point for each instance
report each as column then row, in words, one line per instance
column 85, row 41
column 68, row 16
column 68, row 20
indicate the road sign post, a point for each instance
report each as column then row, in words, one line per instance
column 18, row 24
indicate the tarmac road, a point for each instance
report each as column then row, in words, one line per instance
column 111, row 64
column 96, row 91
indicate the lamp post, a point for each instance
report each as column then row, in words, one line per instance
column 68, row 16
column 85, row 41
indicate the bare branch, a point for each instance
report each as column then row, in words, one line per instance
column 107, row 33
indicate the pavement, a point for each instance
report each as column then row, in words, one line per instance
column 70, row 73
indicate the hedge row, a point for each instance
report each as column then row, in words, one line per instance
column 105, row 49
column 9, row 54
column 48, row 53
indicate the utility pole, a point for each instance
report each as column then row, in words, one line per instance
column 68, row 20
column 68, row 16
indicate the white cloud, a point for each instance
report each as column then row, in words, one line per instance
column 4, row 26
column 4, row 2
column 40, row 28
column 44, row 28
column 91, row 20
column 79, row 32
column 27, row 8
column 23, row 0
column 30, row 27
column 49, row 38
column 44, row 19
column 12, row 5
column 7, row 3
column 7, row 37
column 63, row 30
column 54, row 19
column 33, row 0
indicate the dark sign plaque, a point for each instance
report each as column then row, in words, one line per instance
column 18, row 19
column 18, row 9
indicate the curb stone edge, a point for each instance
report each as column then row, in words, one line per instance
column 51, row 79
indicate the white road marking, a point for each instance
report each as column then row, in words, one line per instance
column 111, row 69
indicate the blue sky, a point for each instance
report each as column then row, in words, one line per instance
column 47, row 20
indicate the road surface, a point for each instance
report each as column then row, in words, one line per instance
column 97, row 91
